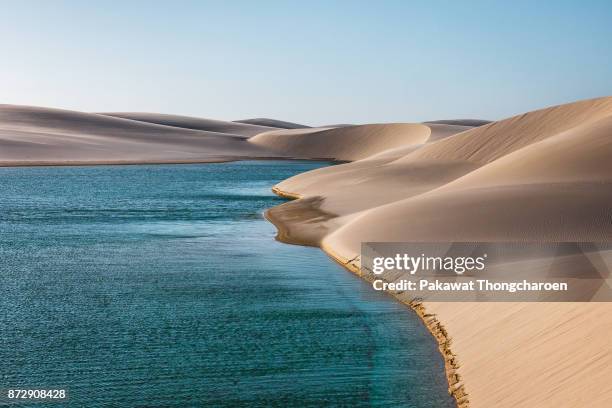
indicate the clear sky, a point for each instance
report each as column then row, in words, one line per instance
column 314, row 62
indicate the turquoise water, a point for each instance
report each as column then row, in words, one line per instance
column 162, row 286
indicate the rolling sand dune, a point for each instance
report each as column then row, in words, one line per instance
column 544, row 175
column 353, row 187
column 45, row 136
column 559, row 189
column 187, row 122
column 31, row 136
column 344, row 143
column 497, row 139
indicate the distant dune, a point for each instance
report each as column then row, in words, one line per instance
column 543, row 175
column 34, row 136
column 280, row 124
column 46, row 136
column 460, row 122
column 187, row 122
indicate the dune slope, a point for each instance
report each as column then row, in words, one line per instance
column 343, row 143
column 544, row 175
column 344, row 191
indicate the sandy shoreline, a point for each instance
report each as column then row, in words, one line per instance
column 455, row 386
column 451, row 364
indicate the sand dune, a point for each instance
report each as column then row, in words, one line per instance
column 31, row 135
column 187, row 122
column 344, row 143
column 273, row 123
column 489, row 142
column 544, row 175
column 559, row 189
column 36, row 136
column 459, row 122
column 426, row 170
column 565, row 178
column 361, row 185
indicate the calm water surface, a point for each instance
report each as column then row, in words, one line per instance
column 162, row 286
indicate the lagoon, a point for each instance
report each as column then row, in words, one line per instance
column 163, row 286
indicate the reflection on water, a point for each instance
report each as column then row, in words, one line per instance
column 163, row 286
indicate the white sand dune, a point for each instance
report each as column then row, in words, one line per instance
column 45, row 136
column 563, row 172
column 559, row 189
column 273, row 123
column 544, row 175
column 343, row 143
column 188, row 122
column 489, row 142
column 459, row 122
column 395, row 175
column 348, row 189
column 34, row 136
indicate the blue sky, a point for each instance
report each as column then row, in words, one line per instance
column 310, row 62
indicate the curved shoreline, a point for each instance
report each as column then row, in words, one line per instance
column 456, row 388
